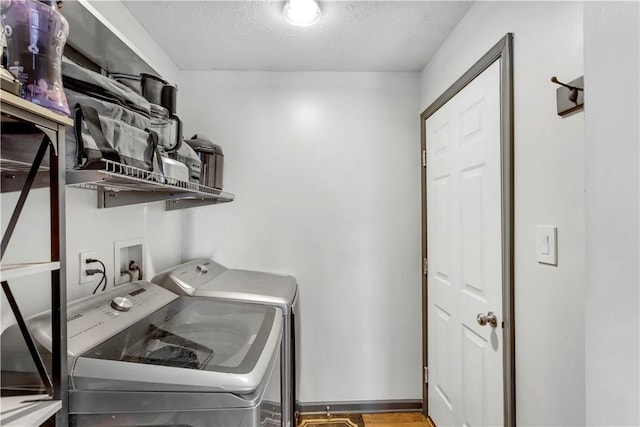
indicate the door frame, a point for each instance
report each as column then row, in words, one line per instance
column 503, row 52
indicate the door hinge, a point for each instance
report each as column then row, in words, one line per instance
column 426, row 375
column 424, row 158
column 425, row 266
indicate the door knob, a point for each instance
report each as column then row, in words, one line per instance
column 489, row 318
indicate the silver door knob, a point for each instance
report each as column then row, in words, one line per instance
column 489, row 318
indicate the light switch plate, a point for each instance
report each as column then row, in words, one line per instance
column 547, row 244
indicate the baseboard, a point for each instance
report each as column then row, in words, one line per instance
column 360, row 407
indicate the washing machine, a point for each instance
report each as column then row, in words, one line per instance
column 140, row 355
column 207, row 278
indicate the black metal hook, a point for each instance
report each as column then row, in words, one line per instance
column 573, row 90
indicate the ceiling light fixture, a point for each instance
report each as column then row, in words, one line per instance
column 301, row 13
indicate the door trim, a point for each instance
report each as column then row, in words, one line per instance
column 502, row 51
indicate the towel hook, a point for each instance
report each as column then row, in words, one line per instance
column 573, row 90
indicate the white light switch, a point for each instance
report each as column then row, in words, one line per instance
column 546, row 244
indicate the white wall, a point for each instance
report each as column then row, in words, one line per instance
column 549, row 186
column 121, row 22
column 92, row 229
column 325, row 167
column 88, row 229
column 612, row 36
column 29, row 243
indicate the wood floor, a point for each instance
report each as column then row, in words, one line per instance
column 407, row 419
column 412, row 419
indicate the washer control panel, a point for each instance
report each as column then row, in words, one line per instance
column 95, row 319
column 121, row 304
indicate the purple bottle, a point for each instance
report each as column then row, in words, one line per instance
column 36, row 34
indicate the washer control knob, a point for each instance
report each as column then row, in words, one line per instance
column 121, row 304
column 202, row 268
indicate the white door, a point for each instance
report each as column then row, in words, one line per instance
column 464, row 246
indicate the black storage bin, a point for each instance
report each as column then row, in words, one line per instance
column 212, row 160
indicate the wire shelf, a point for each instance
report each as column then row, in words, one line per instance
column 116, row 177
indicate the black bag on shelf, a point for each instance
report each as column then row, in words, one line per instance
column 111, row 122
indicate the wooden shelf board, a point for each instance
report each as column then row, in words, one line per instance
column 31, row 410
column 14, row 271
column 16, row 101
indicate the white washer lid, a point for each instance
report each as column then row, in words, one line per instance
column 204, row 277
column 252, row 286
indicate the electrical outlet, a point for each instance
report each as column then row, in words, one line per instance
column 84, row 277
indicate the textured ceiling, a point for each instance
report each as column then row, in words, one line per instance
column 253, row 35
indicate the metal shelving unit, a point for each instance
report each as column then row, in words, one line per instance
column 14, row 173
column 15, row 271
column 33, row 410
column 121, row 185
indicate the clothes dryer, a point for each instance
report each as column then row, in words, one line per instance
column 140, row 355
column 206, row 278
